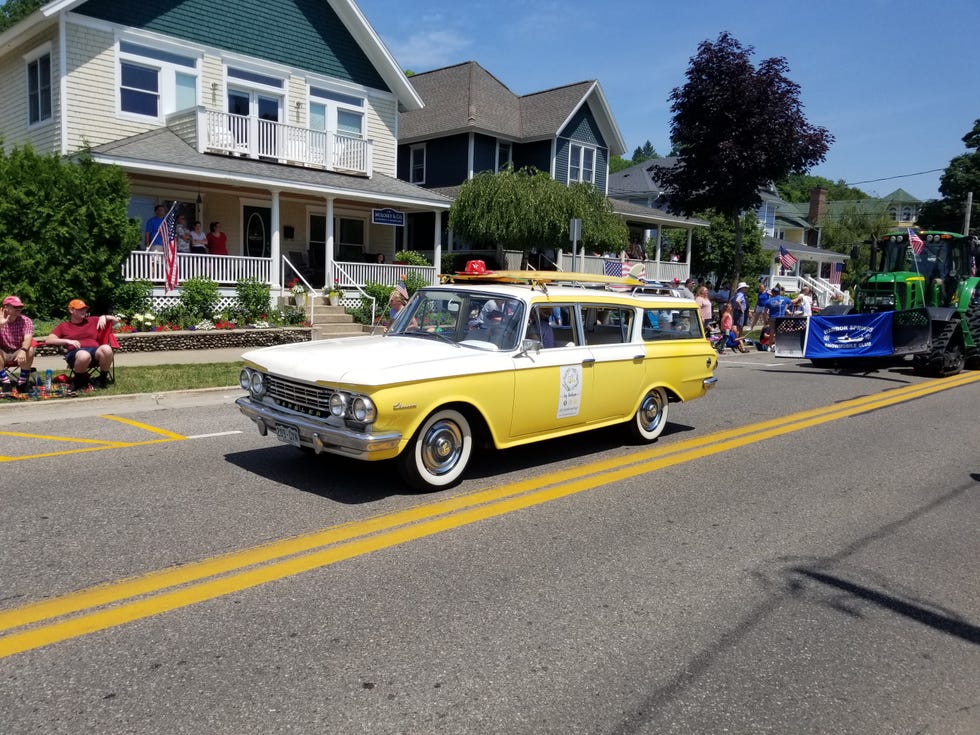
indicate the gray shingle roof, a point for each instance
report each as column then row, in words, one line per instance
column 466, row 97
column 163, row 152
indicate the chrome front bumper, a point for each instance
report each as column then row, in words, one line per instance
column 317, row 435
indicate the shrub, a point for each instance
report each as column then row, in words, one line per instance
column 199, row 298
column 414, row 281
column 381, row 293
column 252, row 299
column 411, row 257
column 132, row 297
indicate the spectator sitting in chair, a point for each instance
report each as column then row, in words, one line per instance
column 16, row 344
column 83, row 338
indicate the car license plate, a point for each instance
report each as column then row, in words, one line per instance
column 287, row 434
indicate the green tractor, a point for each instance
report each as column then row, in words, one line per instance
column 920, row 297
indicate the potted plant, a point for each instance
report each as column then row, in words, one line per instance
column 335, row 293
column 298, row 291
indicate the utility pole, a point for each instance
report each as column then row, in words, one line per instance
column 969, row 211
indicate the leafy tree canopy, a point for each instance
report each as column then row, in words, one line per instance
column 521, row 209
column 961, row 176
column 713, row 249
column 64, row 230
column 13, row 11
column 737, row 128
column 618, row 163
column 797, row 188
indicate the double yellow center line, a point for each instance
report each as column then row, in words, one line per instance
column 115, row 603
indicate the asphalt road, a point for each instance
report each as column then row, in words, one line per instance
column 797, row 554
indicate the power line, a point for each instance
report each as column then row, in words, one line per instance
column 889, row 178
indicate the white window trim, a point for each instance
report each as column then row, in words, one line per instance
column 166, row 71
column 333, row 107
column 572, row 144
column 31, row 56
column 411, row 163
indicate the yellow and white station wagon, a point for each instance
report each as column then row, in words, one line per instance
column 499, row 360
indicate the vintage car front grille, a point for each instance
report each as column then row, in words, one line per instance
column 309, row 399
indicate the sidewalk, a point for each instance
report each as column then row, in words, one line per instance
column 163, row 357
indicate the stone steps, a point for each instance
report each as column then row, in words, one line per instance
column 330, row 322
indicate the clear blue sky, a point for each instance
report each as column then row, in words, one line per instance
column 897, row 83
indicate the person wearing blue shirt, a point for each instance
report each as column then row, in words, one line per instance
column 152, row 238
column 778, row 303
column 761, row 312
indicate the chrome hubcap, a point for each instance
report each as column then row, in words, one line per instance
column 651, row 411
column 441, row 447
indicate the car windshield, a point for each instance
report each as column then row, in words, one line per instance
column 476, row 320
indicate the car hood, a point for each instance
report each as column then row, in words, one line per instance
column 373, row 360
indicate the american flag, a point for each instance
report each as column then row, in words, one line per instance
column 835, row 271
column 168, row 233
column 786, row 258
column 615, row 268
column 915, row 242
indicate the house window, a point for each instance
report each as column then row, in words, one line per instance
column 581, row 164
column 39, row 89
column 336, row 112
column 349, row 238
column 417, row 164
column 505, row 153
column 154, row 82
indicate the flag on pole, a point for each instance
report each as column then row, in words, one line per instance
column 168, row 234
column 835, row 272
column 613, row 268
column 786, row 258
column 915, row 242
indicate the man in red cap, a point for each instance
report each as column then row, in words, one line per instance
column 16, row 344
column 82, row 337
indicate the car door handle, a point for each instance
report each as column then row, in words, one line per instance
column 588, row 362
column 641, row 356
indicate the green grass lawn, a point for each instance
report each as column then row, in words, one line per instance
column 161, row 378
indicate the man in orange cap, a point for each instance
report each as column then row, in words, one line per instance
column 16, row 344
column 82, row 337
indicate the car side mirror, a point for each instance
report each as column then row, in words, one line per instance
column 530, row 345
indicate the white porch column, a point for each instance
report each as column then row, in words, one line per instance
column 328, row 256
column 275, row 267
column 660, row 233
column 437, row 245
column 690, row 240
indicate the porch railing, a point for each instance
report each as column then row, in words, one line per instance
column 351, row 275
column 252, row 137
column 226, row 270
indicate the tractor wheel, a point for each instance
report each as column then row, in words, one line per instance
column 946, row 356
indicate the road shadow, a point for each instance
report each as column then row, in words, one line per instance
column 354, row 482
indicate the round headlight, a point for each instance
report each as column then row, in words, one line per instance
column 338, row 404
column 363, row 410
column 245, row 379
column 258, row 384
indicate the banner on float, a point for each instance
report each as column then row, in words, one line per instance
column 849, row 335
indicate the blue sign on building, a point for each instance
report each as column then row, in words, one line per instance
column 390, row 217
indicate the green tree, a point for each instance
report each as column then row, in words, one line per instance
column 618, row 163
column 14, row 11
column 852, row 226
column 713, row 248
column 64, row 230
column 526, row 208
column 645, row 152
column 961, row 176
column 737, row 128
column 797, row 188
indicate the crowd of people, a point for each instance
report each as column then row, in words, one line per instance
column 189, row 239
column 730, row 317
